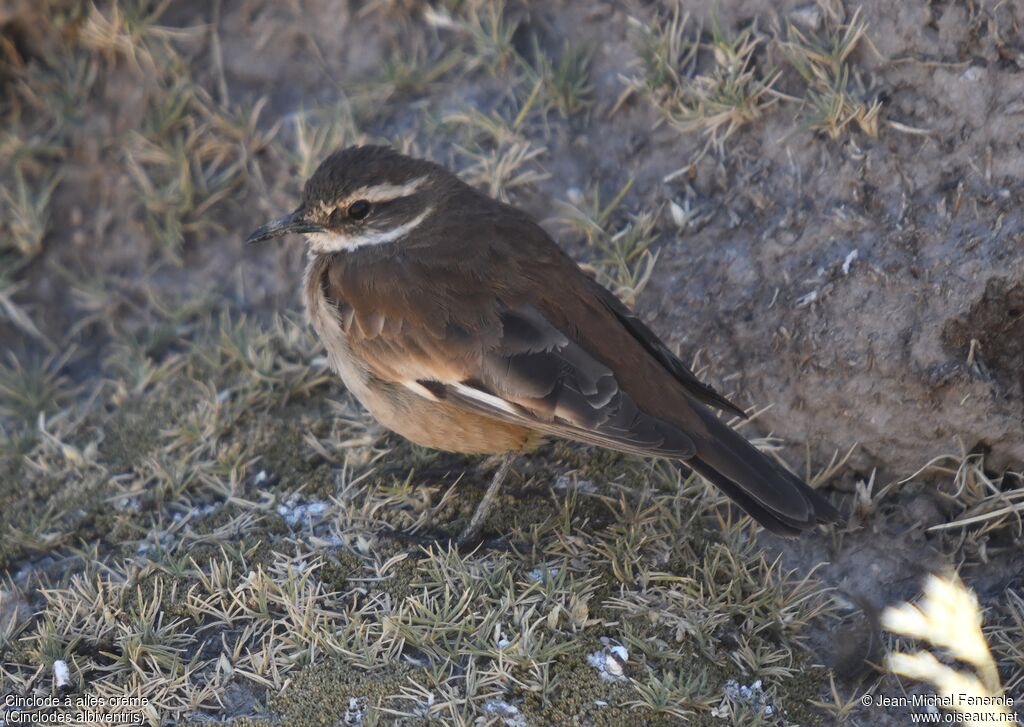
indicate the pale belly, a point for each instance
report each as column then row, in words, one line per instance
column 440, row 425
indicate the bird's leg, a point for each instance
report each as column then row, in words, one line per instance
column 472, row 530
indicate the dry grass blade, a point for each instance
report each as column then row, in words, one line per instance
column 948, row 617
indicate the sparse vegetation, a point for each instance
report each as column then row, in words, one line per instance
column 226, row 535
column 624, row 260
column 192, row 510
column 834, row 100
column 25, row 214
column 713, row 87
column 716, row 86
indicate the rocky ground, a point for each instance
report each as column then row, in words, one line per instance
column 819, row 204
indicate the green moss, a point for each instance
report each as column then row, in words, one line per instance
column 336, row 571
column 401, row 581
column 133, row 432
column 279, row 437
column 582, row 697
column 318, row 696
column 793, row 694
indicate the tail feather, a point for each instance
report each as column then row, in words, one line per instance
column 777, row 499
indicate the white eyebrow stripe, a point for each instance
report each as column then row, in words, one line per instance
column 326, row 242
column 385, row 192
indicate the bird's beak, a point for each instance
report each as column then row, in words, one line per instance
column 286, row 225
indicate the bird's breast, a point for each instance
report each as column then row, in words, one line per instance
column 429, row 423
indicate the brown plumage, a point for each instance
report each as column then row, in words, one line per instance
column 473, row 331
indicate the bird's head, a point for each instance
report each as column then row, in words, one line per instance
column 362, row 196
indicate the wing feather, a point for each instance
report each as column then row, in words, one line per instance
column 659, row 351
column 545, row 380
column 525, row 372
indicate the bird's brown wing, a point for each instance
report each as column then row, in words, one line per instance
column 537, row 377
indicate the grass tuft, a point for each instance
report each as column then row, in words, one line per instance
column 835, row 98
column 712, row 87
column 26, row 216
column 624, row 260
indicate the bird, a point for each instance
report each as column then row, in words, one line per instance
column 460, row 324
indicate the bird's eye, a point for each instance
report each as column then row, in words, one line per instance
column 359, row 209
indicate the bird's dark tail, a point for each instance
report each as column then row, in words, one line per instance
column 777, row 499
